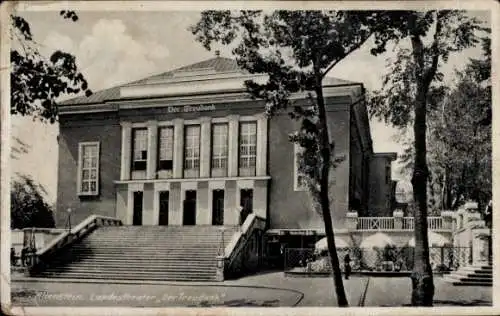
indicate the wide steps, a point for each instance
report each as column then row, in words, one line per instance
column 121, row 276
column 481, row 275
column 143, row 253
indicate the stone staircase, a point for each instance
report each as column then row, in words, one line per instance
column 476, row 275
column 170, row 253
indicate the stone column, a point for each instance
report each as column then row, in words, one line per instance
column 233, row 135
column 205, row 143
column 126, row 150
column 261, row 160
column 351, row 220
column 398, row 219
column 152, row 149
column 178, row 147
column 480, row 246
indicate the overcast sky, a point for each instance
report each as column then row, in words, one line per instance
column 113, row 48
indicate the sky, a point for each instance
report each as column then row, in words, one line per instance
column 113, row 48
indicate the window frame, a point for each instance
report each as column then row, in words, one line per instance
column 192, row 159
column 81, row 168
column 247, row 157
column 160, row 129
column 133, row 160
column 223, row 150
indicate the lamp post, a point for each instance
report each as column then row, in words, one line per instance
column 68, row 224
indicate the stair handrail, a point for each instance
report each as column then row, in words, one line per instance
column 76, row 232
column 238, row 241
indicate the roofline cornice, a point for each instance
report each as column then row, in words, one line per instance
column 225, row 96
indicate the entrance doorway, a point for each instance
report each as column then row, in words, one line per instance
column 163, row 201
column 246, row 202
column 218, row 207
column 189, row 217
column 137, row 219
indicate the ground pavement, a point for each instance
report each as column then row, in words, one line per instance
column 272, row 289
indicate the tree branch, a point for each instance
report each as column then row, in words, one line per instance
column 345, row 55
column 429, row 73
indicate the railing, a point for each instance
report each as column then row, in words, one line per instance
column 76, row 233
column 390, row 258
column 396, row 223
column 434, row 223
column 375, row 223
column 241, row 238
column 408, row 223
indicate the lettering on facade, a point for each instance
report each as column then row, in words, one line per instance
column 191, row 108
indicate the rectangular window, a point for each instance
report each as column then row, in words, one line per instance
column 219, row 150
column 248, row 148
column 298, row 178
column 166, row 150
column 88, row 168
column 388, row 173
column 192, row 151
column 140, row 149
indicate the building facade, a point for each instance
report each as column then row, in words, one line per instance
column 190, row 147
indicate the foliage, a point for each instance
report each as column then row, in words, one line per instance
column 295, row 49
column 28, row 206
column 411, row 89
column 37, row 81
column 459, row 139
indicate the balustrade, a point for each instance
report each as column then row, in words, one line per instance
column 387, row 223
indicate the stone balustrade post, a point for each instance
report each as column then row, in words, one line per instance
column 398, row 219
column 219, row 272
column 352, row 220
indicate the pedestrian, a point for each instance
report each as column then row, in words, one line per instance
column 347, row 266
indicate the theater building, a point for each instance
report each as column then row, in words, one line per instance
column 190, row 147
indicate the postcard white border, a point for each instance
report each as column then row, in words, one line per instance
column 5, row 8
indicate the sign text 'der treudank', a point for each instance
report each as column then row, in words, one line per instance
column 191, row 108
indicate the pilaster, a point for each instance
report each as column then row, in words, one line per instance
column 152, row 149
column 126, row 150
column 178, row 147
column 233, row 135
column 205, row 143
column 261, row 159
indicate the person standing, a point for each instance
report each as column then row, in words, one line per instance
column 347, row 266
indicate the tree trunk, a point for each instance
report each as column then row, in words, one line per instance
column 324, row 197
column 422, row 280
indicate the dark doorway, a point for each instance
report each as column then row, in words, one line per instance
column 163, row 199
column 246, row 202
column 137, row 220
column 218, row 207
column 190, row 208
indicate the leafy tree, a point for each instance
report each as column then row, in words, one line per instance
column 37, row 81
column 296, row 49
column 462, row 135
column 408, row 95
column 28, row 207
column 459, row 139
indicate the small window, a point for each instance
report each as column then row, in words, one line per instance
column 88, row 168
column 140, row 151
column 298, row 178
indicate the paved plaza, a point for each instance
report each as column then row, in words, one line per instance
column 264, row 290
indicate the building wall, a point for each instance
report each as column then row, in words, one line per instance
column 286, row 208
column 380, row 187
column 292, row 209
column 106, row 130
